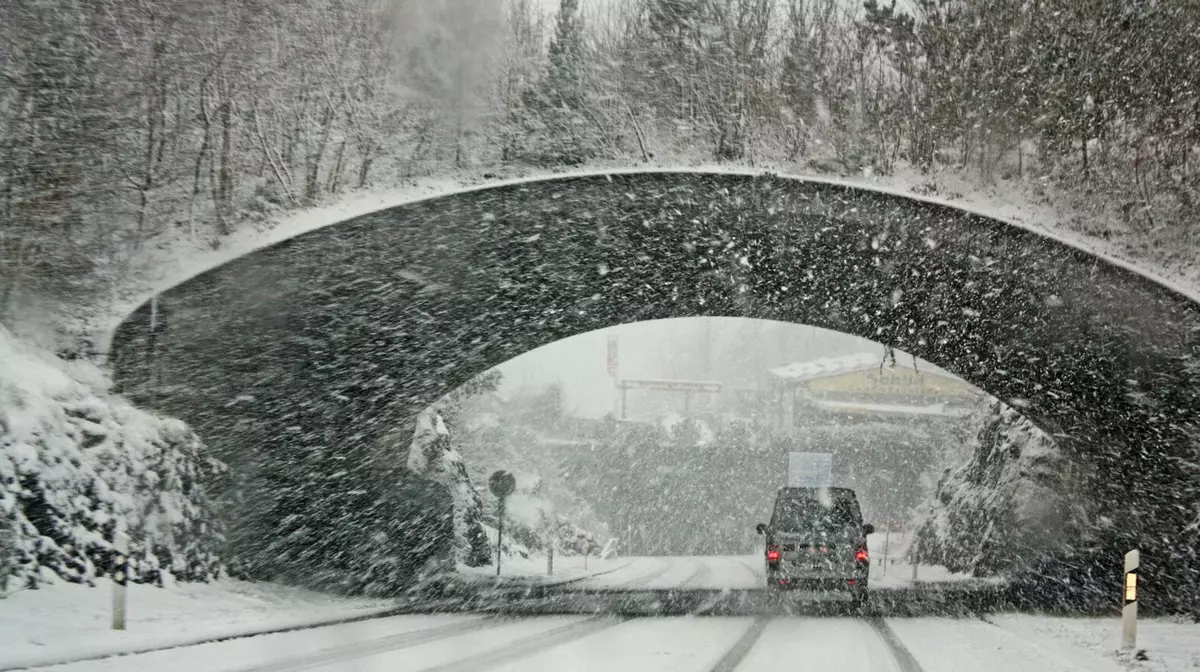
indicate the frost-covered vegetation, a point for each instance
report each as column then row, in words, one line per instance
column 77, row 464
column 130, row 125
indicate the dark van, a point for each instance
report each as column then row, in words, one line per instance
column 816, row 540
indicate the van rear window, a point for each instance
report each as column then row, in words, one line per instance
column 809, row 516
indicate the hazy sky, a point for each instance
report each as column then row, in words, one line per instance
column 740, row 352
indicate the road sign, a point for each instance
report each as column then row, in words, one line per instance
column 502, row 484
column 809, row 470
column 673, row 385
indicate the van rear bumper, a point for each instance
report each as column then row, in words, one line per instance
column 817, row 585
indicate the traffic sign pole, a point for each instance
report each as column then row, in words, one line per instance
column 500, row 537
column 502, row 484
column 618, row 389
column 887, row 542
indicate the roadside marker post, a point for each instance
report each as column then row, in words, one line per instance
column 120, row 579
column 887, row 541
column 1129, row 611
column 548, row 540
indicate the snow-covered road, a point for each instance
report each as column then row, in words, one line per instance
column 727, row 573
column 889, row 569
column 778, row 633
column 463, row 643
column 656, row 573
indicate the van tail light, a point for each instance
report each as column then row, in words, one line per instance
column 861, row 555
column 772, row 554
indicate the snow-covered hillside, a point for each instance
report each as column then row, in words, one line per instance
column 77, row 463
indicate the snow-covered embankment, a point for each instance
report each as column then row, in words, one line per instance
column 77, row 462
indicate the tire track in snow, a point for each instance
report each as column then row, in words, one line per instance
column 645, row 579
column 581, row 579
column 698, row 578
column 900, row 653
column 1042, row 646
column 742, row 646
column 754, row 570
column 758, row 573
column 528, row 646
column 363, row 649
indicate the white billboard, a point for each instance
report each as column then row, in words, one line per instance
column 673, row 385
column 809, row 470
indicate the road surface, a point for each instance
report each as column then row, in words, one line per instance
column 466, row 643
column 771, row 639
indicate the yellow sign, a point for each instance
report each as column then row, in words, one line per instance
column 1130, row 587
column 898, row 382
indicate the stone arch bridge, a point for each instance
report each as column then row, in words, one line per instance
column 320, row 344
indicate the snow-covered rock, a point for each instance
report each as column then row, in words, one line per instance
column 77, row 463
column 1013, row 504
column 431, row 456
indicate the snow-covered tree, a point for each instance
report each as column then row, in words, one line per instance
column 563, row 125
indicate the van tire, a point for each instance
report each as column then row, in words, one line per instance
column 860, row 598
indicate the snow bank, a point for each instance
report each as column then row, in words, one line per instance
column 68, row 621
column 526, row 521
column 77, row 463
column 1170, row 644
column 568, row 569
column 1013, row 504
column 891, row 567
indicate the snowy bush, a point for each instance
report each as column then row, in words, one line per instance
column 530, row 522
column 1013, row 504
column 76, row 463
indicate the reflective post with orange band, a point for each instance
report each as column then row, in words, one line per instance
column 1129, row 611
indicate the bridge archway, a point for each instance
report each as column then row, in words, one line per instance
column 341, row 332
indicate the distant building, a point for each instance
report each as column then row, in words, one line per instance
column 862, row 386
